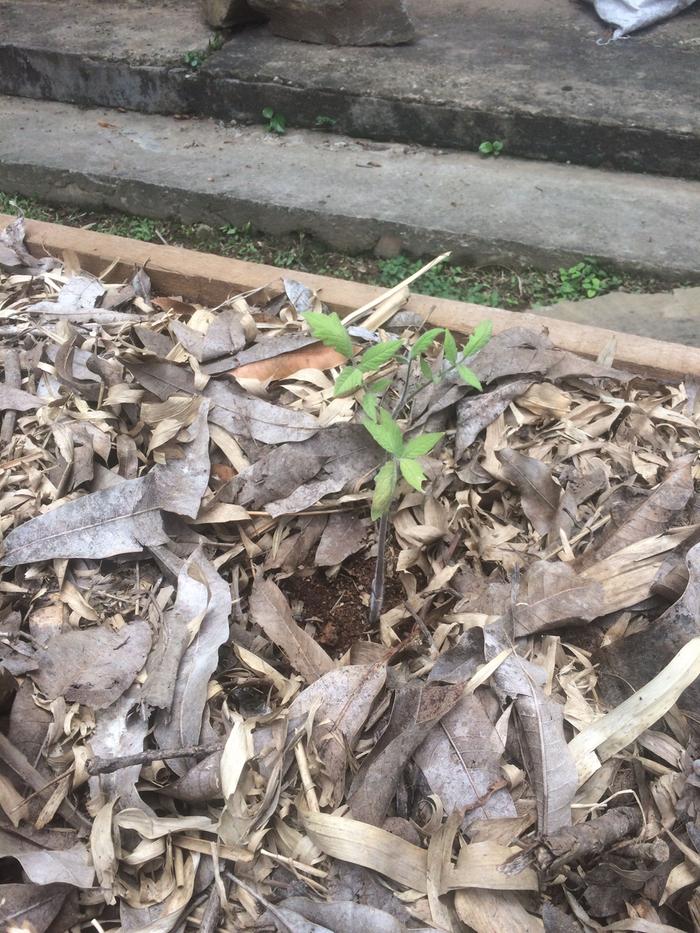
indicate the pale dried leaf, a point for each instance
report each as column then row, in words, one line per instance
column 270, row 610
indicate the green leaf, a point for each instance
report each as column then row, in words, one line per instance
column 486, row 148
column 426, row 371
column 413, row 473
column 268, row 113
column 369, row 405
column 421, row 445
column 450, row 348
column 329, row 330
column 387, row 433
column 349, row 381
column 379, row 386
column 424, row 341
column 480, row 337
column 384, row 487
column 278, row 124
column 375, row 357
column 469, row 377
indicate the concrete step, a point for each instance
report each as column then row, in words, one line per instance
column 527, row 72
column 349, row 192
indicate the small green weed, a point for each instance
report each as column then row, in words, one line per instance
column 586, row 280
column 325, row 122
column 194, row 59
column 494, row 148
column 216, row 42
column 141, row 228
column 276, row 123
column 446, row 282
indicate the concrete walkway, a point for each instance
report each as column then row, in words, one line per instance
column 349, row 192
column 527, row 72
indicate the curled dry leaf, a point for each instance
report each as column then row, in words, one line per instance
column 270, row 610
column 340, row 702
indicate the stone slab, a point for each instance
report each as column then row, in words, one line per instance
column 349, row 193
column 672, row 316
column 527, row 72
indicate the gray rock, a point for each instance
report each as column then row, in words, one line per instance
column 221, row 13
column 388, row 246
column 339, row 22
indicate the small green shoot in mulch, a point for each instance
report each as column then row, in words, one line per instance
column 390, row 426
column 276, row 123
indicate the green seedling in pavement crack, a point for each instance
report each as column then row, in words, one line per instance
column 216, row 42
column 276, row 123
column 494, row 148
column 363, row 375
column 194, row 59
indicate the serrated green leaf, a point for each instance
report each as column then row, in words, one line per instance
column 329, row 329
column 369, row 405
column 413, row 473
column 375, row 357
column 426, row 371
column 469, row 377
column 379, row 386
column 387, row 433
column 421, row 445
column 424, row 341
column 480, row 337
column 349, row 381
column 450, row 347
column 384, row 488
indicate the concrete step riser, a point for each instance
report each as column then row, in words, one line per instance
column 166, row 89
column 347, row 192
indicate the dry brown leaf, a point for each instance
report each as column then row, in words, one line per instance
column 245, row 416
column 475, row 412
column 461, row 760
column 181, row 725
column 551, row 764
column 555, row 596
column 270, row 610
column 640, row 657
column 310, row 355
column 416, row 711
column 495, row 911
column 93, row 666
column 344, row 535
column 31, row 907
column 69, row 864
column 362, row 844
column 479, row 866
column 340, row 701
column 649, row 519
column 548, row 507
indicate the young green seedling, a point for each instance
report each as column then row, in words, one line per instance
column 363, row 374
column 276, row 123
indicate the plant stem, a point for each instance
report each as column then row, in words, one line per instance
column 376, row 598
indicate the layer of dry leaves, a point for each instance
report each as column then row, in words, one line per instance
column 186, row 559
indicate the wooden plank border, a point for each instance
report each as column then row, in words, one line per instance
column 202, row 277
